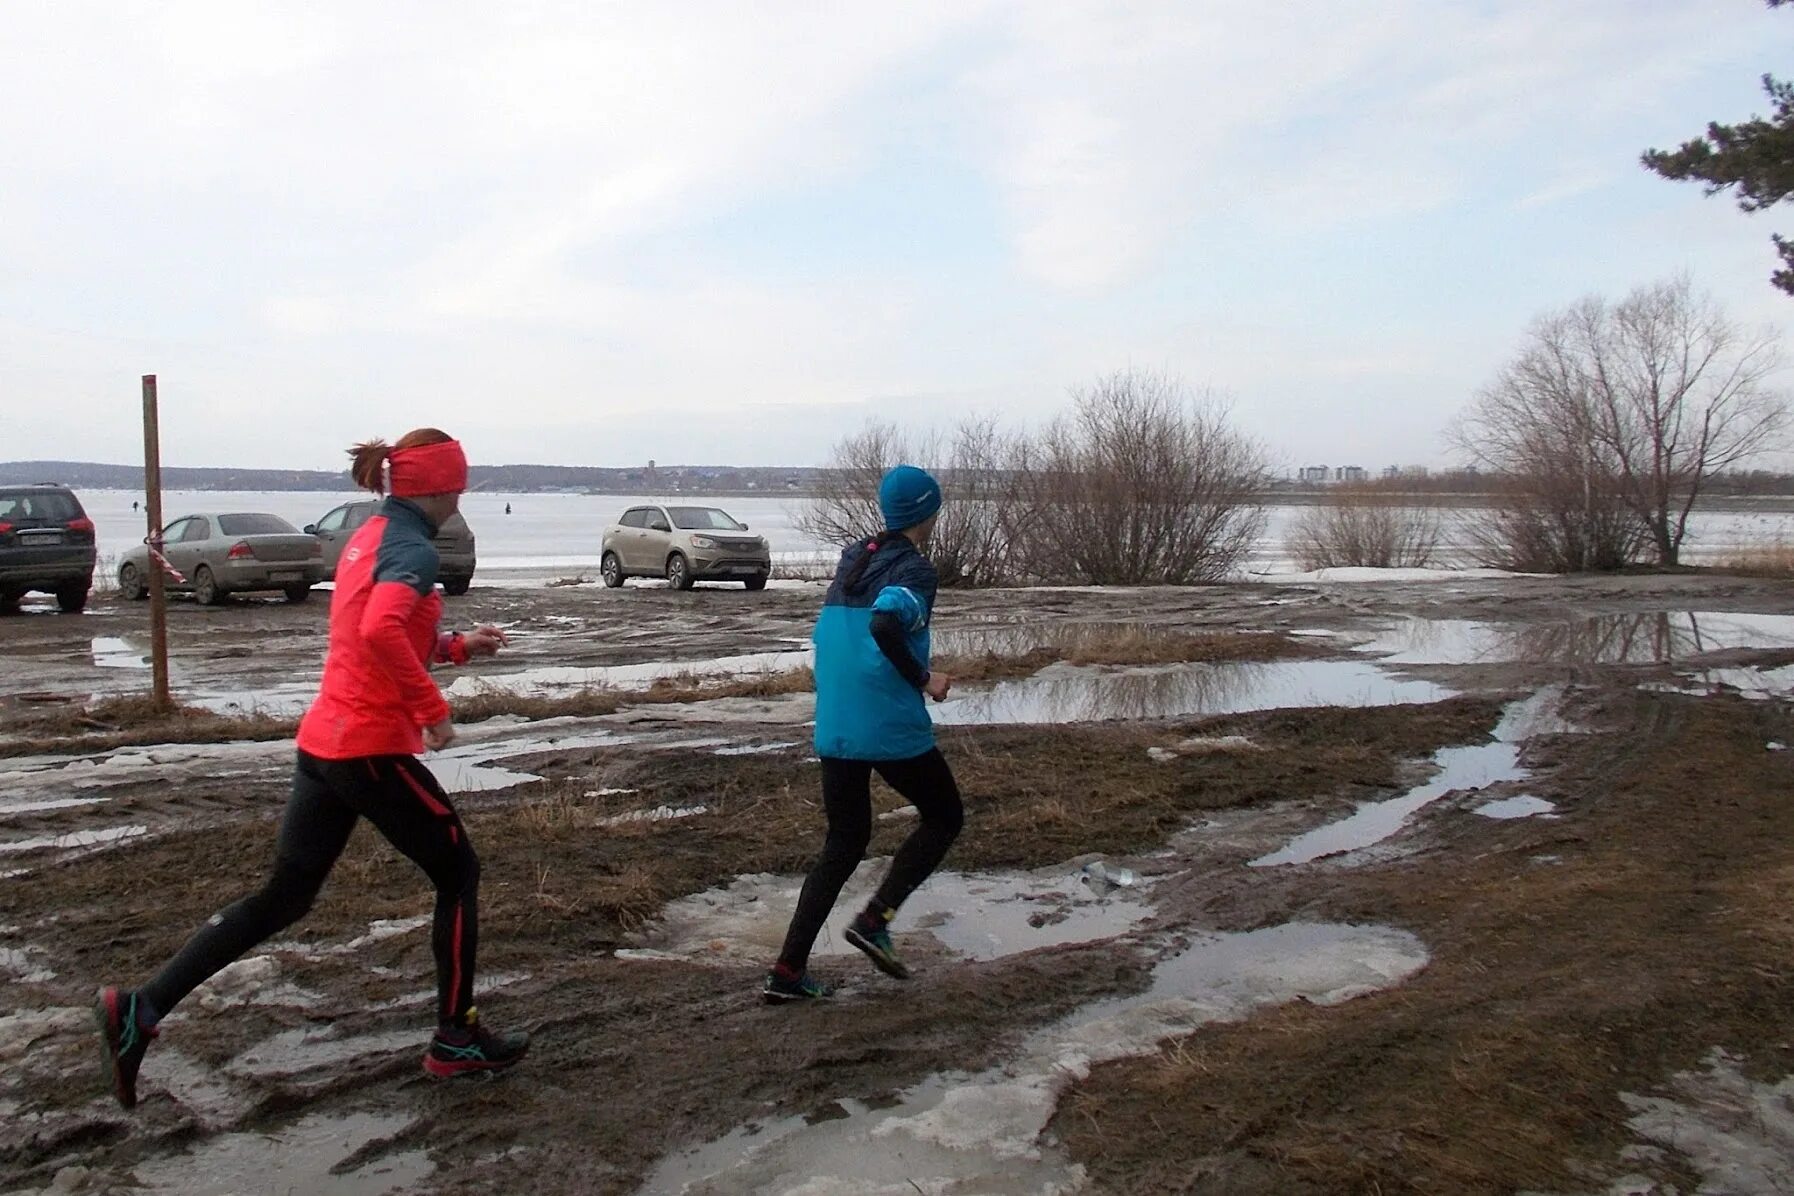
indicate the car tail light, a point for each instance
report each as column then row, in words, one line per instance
column 317, row 548
column 241, row 551
column 83, row 524
column 5, row 527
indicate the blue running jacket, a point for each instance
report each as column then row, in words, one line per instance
column 865, row 710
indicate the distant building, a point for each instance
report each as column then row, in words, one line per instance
column 1414, row 471
column 1313, row 473
column 1392, row 472
column 1350, row 473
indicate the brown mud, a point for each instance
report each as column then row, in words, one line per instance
column 1576, row 960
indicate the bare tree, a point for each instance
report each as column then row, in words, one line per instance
column 1612, row 413
column 1140, row 483
column 978, row 528
column 1361, row 525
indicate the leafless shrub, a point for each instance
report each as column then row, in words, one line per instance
column 1358, row 526
column 1609, row 423
column 972, row 543
column 1141, row 483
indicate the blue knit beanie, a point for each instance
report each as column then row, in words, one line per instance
column 908, row 496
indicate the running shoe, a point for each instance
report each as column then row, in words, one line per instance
column 123, row 1040
column 779, row 991
column 473, row 1049
column 876, row 943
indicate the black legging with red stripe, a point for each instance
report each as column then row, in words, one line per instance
column 404, row 802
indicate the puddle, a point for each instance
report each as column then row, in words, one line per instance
column 1517, row 807
column 93, row 838
column 755, row 749
column 979, row 915
column 112, row 652
column 980, row 1132
column 1756, row 685
column 300, row 1160
column 307, row 1048
column 552, row 679
column 1474, row 766
column 1655, row 637
column 1071, row 694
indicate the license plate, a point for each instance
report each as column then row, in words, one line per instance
column 745, row 569
column 38, row 539
column 286, row 576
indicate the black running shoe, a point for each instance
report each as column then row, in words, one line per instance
column 122, row 1042
column 877, row 946
column 779, row 991
column 473, row 1049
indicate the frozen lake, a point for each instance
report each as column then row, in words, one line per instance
column 559, row 534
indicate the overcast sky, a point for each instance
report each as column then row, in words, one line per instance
column 590, row 233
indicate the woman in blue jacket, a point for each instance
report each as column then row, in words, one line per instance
column 871, row 674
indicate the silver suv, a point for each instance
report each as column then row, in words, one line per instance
column 683, row 545
column 454, row 543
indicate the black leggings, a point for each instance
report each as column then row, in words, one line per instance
column 926, row 783
column 404, row 802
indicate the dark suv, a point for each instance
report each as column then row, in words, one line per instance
column 46, row 544
column 454, row 543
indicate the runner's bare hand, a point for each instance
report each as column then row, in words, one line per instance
column 485, row 642
column 937, row 686
column 439, row 735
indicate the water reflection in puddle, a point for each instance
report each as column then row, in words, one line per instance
column 1516, row 807
column 1070, row 694
column 549, row 680
column 299, row 1160
column 112, row 652
column 980, row 1132
column 1474, row 766
column 975, row 914
column 1652, row 637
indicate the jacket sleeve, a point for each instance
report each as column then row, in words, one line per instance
column 403, row 573
column 893, row 641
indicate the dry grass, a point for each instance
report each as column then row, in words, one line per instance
column 1766, row 558
column 132, row 720
column 1660, row 932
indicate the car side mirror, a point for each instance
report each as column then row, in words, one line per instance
column 663, row 527
column 311, row 529
column 744, row 527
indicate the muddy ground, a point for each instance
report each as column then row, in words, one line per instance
column 1593, row 998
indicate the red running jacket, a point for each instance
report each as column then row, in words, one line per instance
column 377, row 694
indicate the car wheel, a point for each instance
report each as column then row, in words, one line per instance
column 756, row 582
column 131, row 584
column 298, row 593
column 206, row 590
column 454, row 587
column 72, row 599
column 679, row 571
column 611, row 569
column 9, row 602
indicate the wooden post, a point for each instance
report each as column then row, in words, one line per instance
column 152, row 494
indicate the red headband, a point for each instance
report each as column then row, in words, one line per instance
column 428, row 469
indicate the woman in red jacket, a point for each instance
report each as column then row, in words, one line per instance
column 376, row 711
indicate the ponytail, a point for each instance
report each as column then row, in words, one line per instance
column 367, row 464
column 367, row 460
column 873, row 545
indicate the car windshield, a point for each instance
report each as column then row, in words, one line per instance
column 255, row 525
column 702, row 519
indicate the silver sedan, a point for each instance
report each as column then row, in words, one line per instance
column 218, row 555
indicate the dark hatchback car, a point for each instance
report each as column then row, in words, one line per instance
column 454, row 543
column 46, row 545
